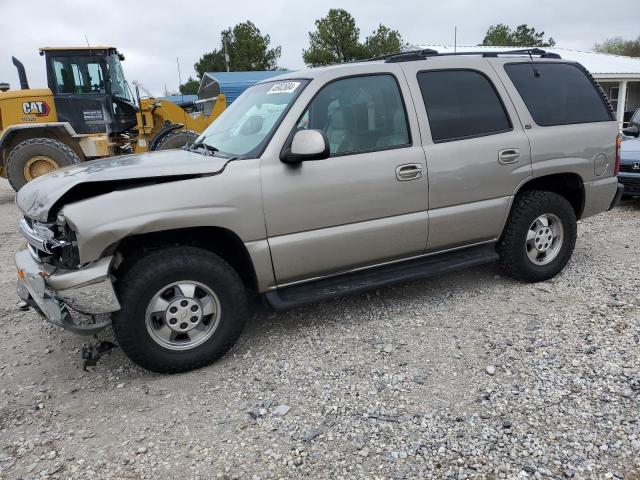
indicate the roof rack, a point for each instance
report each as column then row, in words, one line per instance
column 414, row 55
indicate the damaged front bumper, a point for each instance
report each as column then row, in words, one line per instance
column 77, row 300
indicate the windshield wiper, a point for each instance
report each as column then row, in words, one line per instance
column 207, row 148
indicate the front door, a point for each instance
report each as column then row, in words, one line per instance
column 79, row 85
column 367, row 203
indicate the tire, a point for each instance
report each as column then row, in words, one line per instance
column 140, row 335
column 176, row 139
column 626, row 196
column 37, row 156
column 531, row 251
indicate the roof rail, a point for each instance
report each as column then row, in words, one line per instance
column 414, row 55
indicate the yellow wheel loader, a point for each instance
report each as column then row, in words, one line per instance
column 88, row 112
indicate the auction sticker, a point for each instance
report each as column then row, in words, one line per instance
column 283, row 87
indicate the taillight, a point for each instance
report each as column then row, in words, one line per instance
column 616, row 168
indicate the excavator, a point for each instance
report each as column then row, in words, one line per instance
column 89, row 111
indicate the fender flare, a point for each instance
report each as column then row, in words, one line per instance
column 9, row 131
column 163, row 133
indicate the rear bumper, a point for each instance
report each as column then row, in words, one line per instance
column 618, row 196
column 599, row 195
column 69, row 299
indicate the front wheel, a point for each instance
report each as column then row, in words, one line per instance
column 182, row 308
column 539, row 237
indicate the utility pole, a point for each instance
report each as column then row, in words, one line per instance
column 179, row 78
column 455, row 38
column 226, row 55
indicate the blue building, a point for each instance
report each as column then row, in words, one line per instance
column 232, row 84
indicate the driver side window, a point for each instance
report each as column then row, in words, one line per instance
column 359, row 114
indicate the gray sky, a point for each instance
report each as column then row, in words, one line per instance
column 151, row 36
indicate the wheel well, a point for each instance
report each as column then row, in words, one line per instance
column 57, row 133
column 221, row 241
column 569, row 185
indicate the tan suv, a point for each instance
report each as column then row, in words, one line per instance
column 322, row 183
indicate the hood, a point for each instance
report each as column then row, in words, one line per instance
column 96, row 177
column 630, row 145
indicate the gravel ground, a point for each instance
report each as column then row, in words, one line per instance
column 471, row 375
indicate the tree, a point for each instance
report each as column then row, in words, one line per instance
column 619, row 46
column 384, row 41
column 247, row 48
column 521, row 36
column 210, row 62
column 190, row 87
column 337, row 40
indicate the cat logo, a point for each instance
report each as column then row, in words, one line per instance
column 39, row 109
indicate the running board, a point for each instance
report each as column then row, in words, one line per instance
column 362, row 280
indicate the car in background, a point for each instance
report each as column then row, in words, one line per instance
column 629, row 174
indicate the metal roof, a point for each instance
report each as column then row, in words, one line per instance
column 232, row 84
column 601, row 65
column 46, row 49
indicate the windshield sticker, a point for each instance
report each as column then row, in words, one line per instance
column 283, row 87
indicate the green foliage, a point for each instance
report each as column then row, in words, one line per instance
column 210, row 62
column 247, row 48
column 336, row 39
column 619, row 46
column 190, row 87
column 384, row 41
column 521, row 36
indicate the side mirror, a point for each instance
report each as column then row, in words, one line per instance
column 307, row 145
column 632, row 131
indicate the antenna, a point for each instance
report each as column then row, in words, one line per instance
column 87, row 40
column 533, row 67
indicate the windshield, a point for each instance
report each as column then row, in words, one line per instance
column 245, row 127
column 119, row 86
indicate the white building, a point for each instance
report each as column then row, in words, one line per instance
column 619, row 76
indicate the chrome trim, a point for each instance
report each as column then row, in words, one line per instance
column 47, row 245
column 366, row 267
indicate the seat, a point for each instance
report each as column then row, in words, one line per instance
column 399, row 134
column 340, row 131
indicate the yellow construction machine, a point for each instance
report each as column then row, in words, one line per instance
column 88, row 112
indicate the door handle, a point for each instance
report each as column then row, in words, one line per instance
column 510, row 155
column 410, row 171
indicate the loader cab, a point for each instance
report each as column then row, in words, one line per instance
column 90, row 90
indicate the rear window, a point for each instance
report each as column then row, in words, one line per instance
column 461, row 104
column 559, row 94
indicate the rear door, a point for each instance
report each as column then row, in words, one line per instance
column 476, row 149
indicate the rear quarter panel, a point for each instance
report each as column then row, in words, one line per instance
column 586, row 149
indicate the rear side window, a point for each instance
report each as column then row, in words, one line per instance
column 559, row 94
column 461, row 104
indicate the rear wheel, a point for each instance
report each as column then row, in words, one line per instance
column 176, row 139
column 182, row 308
column 35, row 157
column 539, row 237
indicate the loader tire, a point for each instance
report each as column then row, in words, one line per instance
column 35, row 157
column 176, row 139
